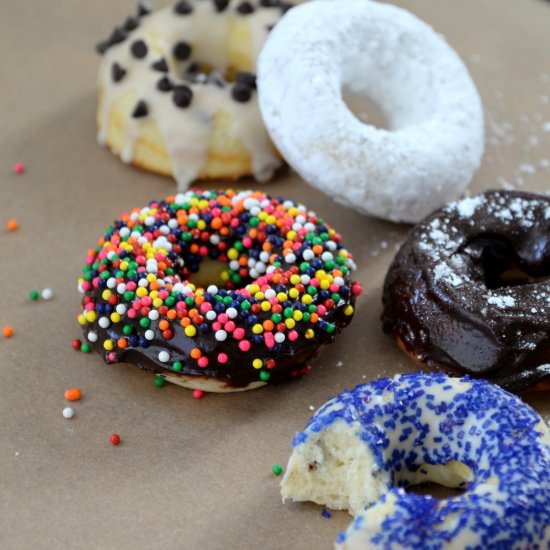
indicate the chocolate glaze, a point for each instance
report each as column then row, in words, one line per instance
column 468, row 290
column 283, row 361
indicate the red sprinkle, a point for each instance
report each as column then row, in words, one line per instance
column 19, row 168
column 76, row 344
column 115, row 439
column 197, row 394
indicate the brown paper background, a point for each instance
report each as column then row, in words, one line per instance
column 189, row 474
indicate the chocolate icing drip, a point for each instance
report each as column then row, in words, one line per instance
column 468, row 290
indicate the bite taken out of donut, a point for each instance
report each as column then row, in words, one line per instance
column 435, row 141
column 177, row 90
column 363, row 449
column 469, row 290
column 217, row 290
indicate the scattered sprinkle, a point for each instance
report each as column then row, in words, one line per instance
column 7, row 331
column 327, row 514
column 85, row 347
column 12, row 225
column 19, row 168
column 115, row 439
column 311, row 407
column 73, row 394
column 47, row 294
column 159, row 381
column 76, row 344
column 198, row 394
column 68, row 412
column 34, row 295
column 277, row 469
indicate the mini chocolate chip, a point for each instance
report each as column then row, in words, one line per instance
column 221, row 5
column 182, row 96
column 117, row 36
column 241, row 92
column 131, row 24
column 117, row 72
column 269, row 28
column 160, row 65
column 141, row 110
column 165, row 84
column 245, row 8
column 193, row 68
column 182, row 51
column 139, row 49
column 102, row 47
column 143, row 9
column 270, row 3
column 183, row 8
column 246, row 78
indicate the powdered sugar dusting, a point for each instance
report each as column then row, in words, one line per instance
column 501, row 302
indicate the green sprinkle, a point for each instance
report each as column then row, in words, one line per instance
column 144, row 322
column 34, row 295
column 159, row 381
column 277, row 469
column 264, row 375
column 85, row 347
column 127, row 330
column 177, row 366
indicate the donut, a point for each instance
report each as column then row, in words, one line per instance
column 468, row 291
column 177, row 90
column 435, row 141
column 277, row 286
column 364, row 447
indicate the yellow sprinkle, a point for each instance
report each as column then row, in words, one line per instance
column 257, row 328
column 290, row 323
column 108, row 345
column 157, row 302
column 297, row 315
column 282, row 297
column 151, row 277
column 90, row 316
column 259, row 296
column 348, row 310
column 257, row 363
column 294, row 279
column 115, row 317
column 253, row 289
column 266, row 306
column 324, row 284
column 307, row 299
column 141, row 292
column 224, row 275
column 201, row 225
column 309, row 334
column 106, row 294
column 124, row 266
column 190, row 331
column 291, row 235
column 293, row 293
column 232, row 253
column 82, row 320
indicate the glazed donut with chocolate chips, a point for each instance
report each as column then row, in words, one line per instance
column 284, row 289
column 177, row 90
column 469, row 290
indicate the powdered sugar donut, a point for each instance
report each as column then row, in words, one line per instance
column 435, row 141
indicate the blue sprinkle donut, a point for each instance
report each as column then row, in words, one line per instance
column 363, row 447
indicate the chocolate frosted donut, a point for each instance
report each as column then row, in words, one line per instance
column 469, row 289
column 283, row 289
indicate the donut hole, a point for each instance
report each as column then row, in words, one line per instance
column 365, row 110
column 438, row 480
column 501, row 265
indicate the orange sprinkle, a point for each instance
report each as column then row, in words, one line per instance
column 122, row 343
column 12, row 225
column 7, row 331
column 196, row 353
column 164, row 325
column 73, row 394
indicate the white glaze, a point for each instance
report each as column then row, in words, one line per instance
column 435, row 141
column 185, row 132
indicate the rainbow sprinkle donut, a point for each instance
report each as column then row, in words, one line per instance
column 278, row 287
column 362, row 448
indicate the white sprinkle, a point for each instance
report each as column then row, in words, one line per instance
column 466, row 207
column 270, row 294
column 211, row 315
column 220, row 335
column 231, row 312
column 103, row 322
column 121, row 309
column 149, row 334
column 47, row 294
column 340, row 364
column 153, row 315
column 164, row 356
column 92, row 336
column 311, row 407
column 68, row 412
column 279, row 337
column 212, row 289
column 290, row 258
